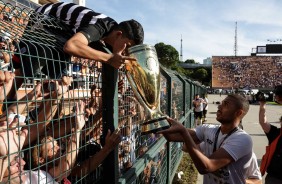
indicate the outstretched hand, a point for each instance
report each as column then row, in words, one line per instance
column 175, row 132
column 118, row 58
column 63, row 85
column 112, row 140
column 175, row 127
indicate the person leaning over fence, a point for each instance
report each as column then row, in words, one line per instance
column 227, row 149
column 89, row 28
column 272, row 165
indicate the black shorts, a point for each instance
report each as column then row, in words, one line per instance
column 198, row 115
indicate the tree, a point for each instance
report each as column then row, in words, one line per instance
column 200, row 74
column 190, row 61
column 168, row 55
column 180, row 70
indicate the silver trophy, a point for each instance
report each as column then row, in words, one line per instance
column 144, row 78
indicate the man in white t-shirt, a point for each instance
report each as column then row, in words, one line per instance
column 226, row 149
column 198, row 104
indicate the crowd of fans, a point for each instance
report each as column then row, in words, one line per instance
column 246, row 71
column 51, row 133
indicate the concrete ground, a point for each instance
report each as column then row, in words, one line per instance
column 250, row 124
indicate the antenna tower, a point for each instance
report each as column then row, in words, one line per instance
column 235, row 41
column 181, row 56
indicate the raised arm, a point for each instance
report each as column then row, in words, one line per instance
column 47, row 109
column 78, row 46
column 20, row 105
column 68, row 160
column 262, row 117
column 89, row 165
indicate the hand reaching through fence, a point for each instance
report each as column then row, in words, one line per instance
column 49, row 149
column 90, row 164
column 48, row 109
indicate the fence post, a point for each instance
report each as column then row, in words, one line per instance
column 110, row 120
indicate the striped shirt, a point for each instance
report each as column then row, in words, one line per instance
column 76, row 16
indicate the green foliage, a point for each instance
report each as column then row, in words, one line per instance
column 180, row 70
column 200, row 74
column 190, row 61
column 168, row 56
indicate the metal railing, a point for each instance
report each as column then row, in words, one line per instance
column 48, row 102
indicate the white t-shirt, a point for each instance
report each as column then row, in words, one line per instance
column 239, row 145
column 200, row 107
column 207, row 101
column 253, row 171
column 39, row 177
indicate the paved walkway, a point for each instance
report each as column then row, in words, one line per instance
column 250, row 124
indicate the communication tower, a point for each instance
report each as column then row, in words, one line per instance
column 181, row 56
column 235, row 41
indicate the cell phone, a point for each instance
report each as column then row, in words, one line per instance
column 12, row 116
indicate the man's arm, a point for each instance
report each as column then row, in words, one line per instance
column 253, row 181
column 25, row 101
column 48, row 109
column 67, row 162
column 262, row 118
column 89, row 165
column 176, row 137
column 77, row 45
column 204, row 164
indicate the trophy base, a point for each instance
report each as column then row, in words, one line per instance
column 155, row 125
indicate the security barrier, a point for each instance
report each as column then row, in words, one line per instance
column 55, row 143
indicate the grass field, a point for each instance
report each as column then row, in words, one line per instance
column 188, row 168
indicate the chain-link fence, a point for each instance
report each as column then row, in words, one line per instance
column 45, row 95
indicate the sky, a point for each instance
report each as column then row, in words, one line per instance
column 207, row 27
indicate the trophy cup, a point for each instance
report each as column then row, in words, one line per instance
column 144, row 78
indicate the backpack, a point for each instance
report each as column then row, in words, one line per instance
column 269, row 151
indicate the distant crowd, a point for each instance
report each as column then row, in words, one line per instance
column 246, row 71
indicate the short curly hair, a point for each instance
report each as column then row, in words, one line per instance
column 132, row 30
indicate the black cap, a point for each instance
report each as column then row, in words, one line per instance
column 133, row 30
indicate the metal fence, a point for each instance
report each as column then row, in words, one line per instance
column 55, row 145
